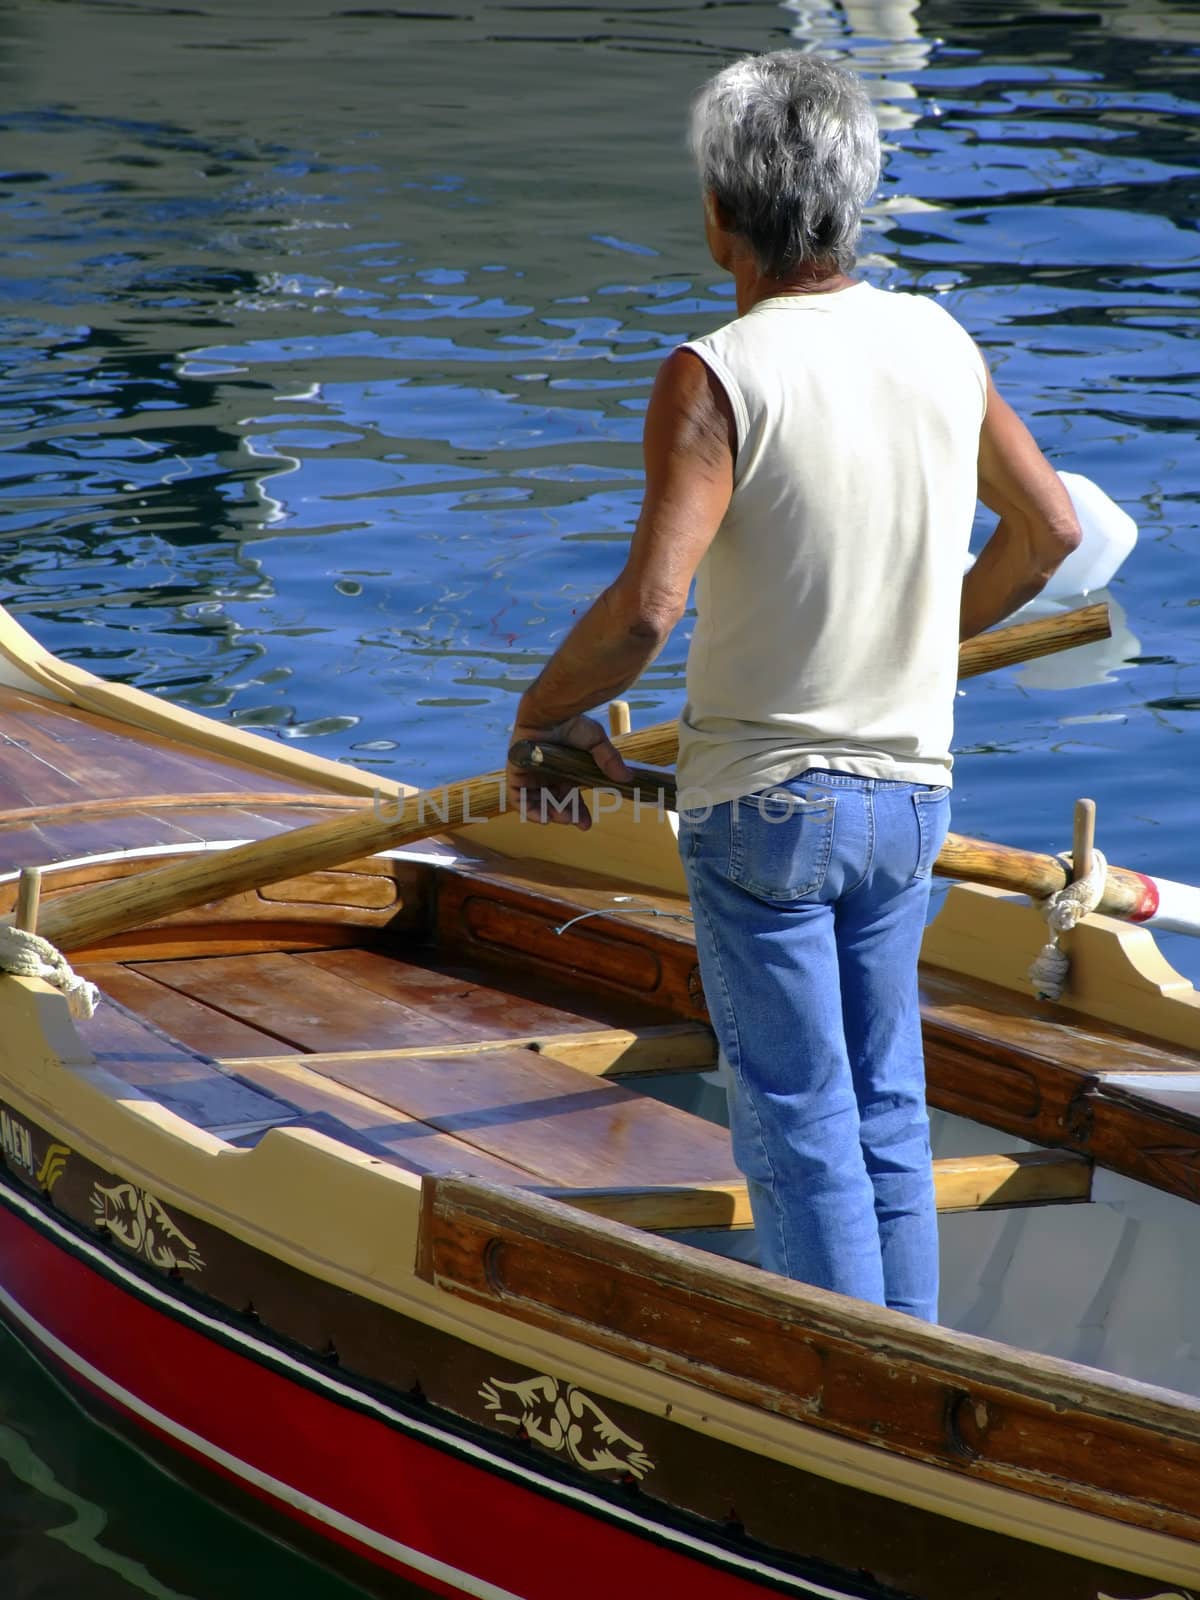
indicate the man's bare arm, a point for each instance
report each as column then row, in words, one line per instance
column 689, row 447
column 1037, row 530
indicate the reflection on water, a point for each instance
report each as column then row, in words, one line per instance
column 82, row 1517
column 328, row 331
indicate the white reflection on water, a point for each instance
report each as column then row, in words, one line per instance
column 83, row 1533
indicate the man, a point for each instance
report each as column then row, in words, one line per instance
column 815, row 465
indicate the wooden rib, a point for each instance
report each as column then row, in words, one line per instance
column 116, row 806
column 605, row 1052
column 963, row 1183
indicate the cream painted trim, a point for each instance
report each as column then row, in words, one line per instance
column 643, row 853
column 353, row 1221
column 27, row 665
column 1118, row 973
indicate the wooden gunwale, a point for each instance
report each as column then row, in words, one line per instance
column 1014, row 1419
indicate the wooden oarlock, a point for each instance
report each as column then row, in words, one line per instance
column 619, row 720
column 83, row 918
column 1083, row 842
column 29, row 897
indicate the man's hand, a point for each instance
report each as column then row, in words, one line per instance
column 560, row 802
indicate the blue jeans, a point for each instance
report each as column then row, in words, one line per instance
column 810, row 902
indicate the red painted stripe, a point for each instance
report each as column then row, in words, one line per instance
column 1148, row 904
column 397, row 1486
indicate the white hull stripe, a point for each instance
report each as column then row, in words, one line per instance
column 661, row 1532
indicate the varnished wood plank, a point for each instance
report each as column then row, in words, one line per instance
column 1042, row 1427
column 307, row 1008
column 1154, row 1138
column 196, row 1089
column 193, row 1023
column 372, row 1125
column 962, row 1183
column 617, row 1052
column 24, row 846
column 607, row 1052
column 1030, row 1177
column 28, row 775
column 476, row 1008
column 547, row 1118
column 356, row 891
column 131, row 829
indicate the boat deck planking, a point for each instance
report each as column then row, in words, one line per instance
column 385, row 956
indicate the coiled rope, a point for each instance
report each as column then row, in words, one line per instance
column 28, row 955
column 1064, row 908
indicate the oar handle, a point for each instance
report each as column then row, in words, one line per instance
column 560, row 763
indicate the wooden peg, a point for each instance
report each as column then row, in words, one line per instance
column 29, row 899
column 1084, row 839
column 619, row 720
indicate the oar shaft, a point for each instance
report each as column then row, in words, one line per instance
column 74, row 920
column 1127, row 894
column 658, row 744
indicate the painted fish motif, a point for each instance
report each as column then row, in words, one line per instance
column 136, row 1220
column 562, row 1418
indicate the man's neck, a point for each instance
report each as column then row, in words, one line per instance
column 753, row 286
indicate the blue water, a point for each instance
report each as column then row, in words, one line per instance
column 327, row 331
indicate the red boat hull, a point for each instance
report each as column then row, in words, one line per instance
column 405, row 1492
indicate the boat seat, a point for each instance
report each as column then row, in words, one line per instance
column 605, row 1148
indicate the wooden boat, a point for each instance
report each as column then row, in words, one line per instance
column 378, row 1202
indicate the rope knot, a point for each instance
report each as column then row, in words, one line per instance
column 1062, row 910
column 28, row 955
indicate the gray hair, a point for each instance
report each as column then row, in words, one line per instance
column 789, row 145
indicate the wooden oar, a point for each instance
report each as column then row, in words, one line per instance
column 1134, row 896
column 88, row 915
column 987, row 652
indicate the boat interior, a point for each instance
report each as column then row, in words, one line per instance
column 488, row 1015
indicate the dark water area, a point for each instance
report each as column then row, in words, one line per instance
column 325, row 335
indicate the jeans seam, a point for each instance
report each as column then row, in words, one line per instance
column 869, row 861
column 735, row 1066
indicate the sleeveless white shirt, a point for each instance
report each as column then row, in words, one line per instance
column 827, row 604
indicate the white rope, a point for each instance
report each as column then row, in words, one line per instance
column 26, row 955
column 1064, row 908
